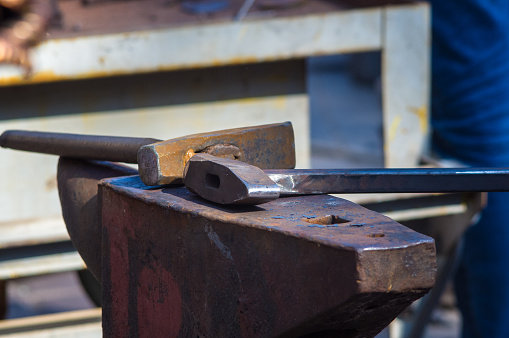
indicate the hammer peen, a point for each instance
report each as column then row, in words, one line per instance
column 228, row 181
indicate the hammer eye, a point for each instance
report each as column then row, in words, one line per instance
column 212, row 181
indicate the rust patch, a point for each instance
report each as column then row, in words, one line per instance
column 326, row 220
column 422, row 115
column 159, row 294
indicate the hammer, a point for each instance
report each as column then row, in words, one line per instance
column 162, row 162
column 227, row 181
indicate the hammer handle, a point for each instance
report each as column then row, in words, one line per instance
column 91, row 147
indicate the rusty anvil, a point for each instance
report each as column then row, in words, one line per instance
column 172, row 264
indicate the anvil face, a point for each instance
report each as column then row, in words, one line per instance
column 175, row 265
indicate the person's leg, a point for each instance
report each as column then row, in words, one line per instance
column 470, row 117
column 470, row 80
column 483, row 277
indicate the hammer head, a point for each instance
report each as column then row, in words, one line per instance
column 228, row 181
column 268, row 146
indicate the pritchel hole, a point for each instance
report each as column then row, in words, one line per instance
column 212, row 181
column 375, row 235
column 327, row 220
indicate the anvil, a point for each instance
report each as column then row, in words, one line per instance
column 175, row 265
column 172, row 264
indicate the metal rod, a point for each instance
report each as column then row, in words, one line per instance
column 232, row 182
column 103, row 148
column 414, row 180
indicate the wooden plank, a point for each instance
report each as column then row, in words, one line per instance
column 32, row 232
column 203, row 45
column 82, row 323
column 41, row 265
column 405, row 83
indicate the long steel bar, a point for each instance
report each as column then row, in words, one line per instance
column 233, row 182
column 415, row 180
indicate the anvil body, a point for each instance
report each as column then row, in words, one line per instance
column 174, row 265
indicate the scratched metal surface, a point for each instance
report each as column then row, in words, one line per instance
column 318, row 265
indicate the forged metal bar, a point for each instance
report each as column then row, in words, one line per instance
column 232, row 182
column 88, row 147
column 418, row 180
column 229, row 181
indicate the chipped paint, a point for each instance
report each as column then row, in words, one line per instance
column 394, row 127
column 422, row 115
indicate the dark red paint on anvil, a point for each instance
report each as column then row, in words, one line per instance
column 174, row 265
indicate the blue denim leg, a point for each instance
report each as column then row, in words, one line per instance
column 483, row 277
column 470, row 117
column 470, row 80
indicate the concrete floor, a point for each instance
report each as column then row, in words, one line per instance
column 345, row 132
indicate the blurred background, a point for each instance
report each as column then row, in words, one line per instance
column 352, row 77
